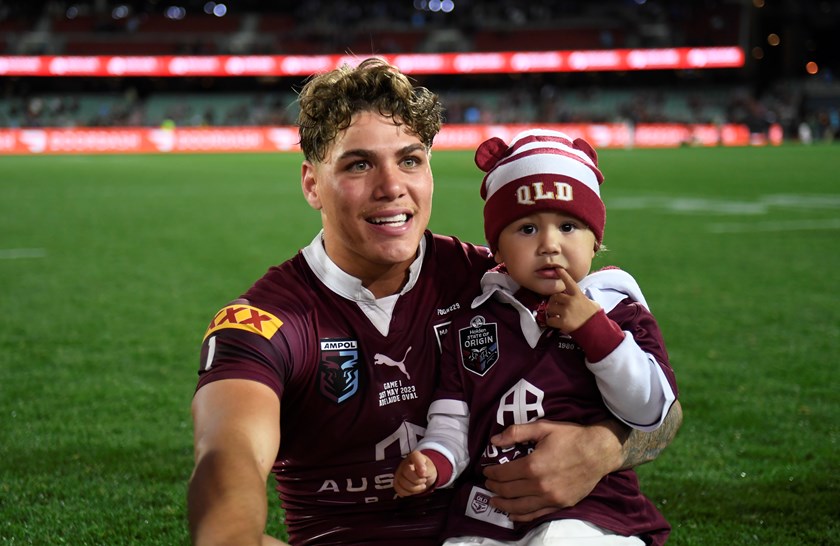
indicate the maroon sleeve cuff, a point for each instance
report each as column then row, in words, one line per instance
column 598, row 337
column 442, row 464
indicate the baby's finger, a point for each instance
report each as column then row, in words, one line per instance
column 418, row 462
column 572, row 287
column 408, row 484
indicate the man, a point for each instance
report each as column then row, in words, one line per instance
column 323, row 370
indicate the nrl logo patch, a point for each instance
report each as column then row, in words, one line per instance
column 479, row 344
column 480, row 503
column 338, row 372
column 480, row 509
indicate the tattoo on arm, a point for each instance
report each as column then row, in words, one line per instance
column 643, row 447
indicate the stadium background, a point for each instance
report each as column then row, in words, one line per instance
column 112, row 264
column 788, row 78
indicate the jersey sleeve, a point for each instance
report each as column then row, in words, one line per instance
column 635, row 379
column 245, row 342
column 446, row 433
column 449, row 416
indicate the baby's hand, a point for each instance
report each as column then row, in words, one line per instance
column 570, row 309
column 415, row 474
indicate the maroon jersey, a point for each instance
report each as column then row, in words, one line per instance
column 488, row 364
column 353, row 400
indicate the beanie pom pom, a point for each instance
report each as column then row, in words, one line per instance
column 490, row 152
column 587, row 148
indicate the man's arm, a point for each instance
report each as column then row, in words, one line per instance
column 237, row 435
column 569, row 460
column 643, row 447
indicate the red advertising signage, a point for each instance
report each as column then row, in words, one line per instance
column 695, row 58
column 284, row 139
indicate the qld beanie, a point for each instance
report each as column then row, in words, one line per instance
column 541, row 170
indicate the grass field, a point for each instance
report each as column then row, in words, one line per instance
column 111, row 267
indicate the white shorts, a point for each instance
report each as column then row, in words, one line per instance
column 563, row 532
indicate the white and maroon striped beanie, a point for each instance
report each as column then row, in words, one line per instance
column 541, row 170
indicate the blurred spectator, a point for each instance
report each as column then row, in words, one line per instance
column 381, row 26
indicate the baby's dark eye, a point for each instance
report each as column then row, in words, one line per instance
column 528, row 229
column 567, row 227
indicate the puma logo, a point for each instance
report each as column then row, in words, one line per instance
column 379, row 359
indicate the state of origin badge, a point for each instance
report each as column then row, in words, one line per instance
column 479, row 344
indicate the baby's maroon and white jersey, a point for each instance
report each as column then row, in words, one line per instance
column 354, row 386
column 490, row 371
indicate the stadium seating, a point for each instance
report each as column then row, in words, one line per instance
column 286, row 27
column 304, row 28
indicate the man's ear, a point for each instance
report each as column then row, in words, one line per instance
column 309, row 184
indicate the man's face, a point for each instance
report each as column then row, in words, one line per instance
column 374, row 191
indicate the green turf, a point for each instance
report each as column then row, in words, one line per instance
column 112, row 266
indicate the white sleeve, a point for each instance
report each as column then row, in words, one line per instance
column 446, row 433
column 633, row 385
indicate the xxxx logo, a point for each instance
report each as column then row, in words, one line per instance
column 245, row 317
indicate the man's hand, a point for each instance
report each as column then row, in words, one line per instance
column 569, row 460
column 570, row 309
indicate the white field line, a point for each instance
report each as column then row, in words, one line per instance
column 21, row 253
column 766, row 227
column 762, row 206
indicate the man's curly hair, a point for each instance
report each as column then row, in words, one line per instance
column 329, row 101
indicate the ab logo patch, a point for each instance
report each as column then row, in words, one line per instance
column 338, row 373
column 479, row 344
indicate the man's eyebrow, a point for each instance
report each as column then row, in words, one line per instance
column 367, row 154
column 411, row 148
column 360, row 152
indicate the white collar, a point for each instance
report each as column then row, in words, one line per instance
column 379, row 311
column 607, row 287
column 503, row 287
column 610, row 286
